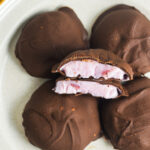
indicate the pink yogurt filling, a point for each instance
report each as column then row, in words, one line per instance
column 91, row 68
column 87, row 87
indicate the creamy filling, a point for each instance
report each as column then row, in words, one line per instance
column 87, row 87
column 90, row 68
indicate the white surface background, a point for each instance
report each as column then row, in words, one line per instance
column 16, row 86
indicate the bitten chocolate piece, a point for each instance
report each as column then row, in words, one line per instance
column 48, row 38
column 125, row 31
column 61, row 122
column 126, row 121
column 98, row 88
column 95, row 63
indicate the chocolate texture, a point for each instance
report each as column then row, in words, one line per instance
column 107, row 62
column 125, row 31
column 61, row 122
column 48, row 38
column 126, row 121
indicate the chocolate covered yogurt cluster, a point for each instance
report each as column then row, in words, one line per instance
column 95, row 87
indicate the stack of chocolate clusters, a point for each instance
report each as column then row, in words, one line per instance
column 89, row 93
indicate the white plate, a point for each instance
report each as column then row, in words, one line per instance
column 16, row 86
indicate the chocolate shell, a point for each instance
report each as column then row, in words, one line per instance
column 61, row 122
column 126, row 121
column 100, row 59
column 125, row 31
column 48, row 38
column 108, row 89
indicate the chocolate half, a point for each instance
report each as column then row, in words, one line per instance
column 48, row 38
column 109, row 89
column 126, row 121
column 94, row 63
column 61, row 122
column 125, row 31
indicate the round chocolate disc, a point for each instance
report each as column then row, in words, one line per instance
column 61, row 122
column 48, row 38
column 126, row 32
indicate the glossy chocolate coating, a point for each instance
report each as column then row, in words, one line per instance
column 126, row 32
column 61, row 122
column 126, row 121
column 48, row 38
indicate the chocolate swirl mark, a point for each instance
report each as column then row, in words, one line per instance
column 132, row 129
column 136, row 51
column 64, row 122
column 74, row 133
column 29, row 114
column 54, row 137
